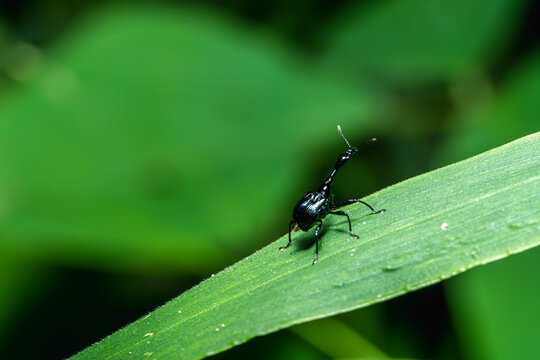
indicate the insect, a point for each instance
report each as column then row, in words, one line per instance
column 315, row 205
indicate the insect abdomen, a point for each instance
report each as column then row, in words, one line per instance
column 312, row 207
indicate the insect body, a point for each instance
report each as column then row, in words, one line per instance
column 315, row 205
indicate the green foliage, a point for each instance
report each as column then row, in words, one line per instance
column 489, row 323
column 340, row 341
column 437, row 225
column 16, row 283
column 144, row 147
column 497, row 118
column 121, row 141
column 421, row 39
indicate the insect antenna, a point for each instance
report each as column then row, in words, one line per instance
column 367, row 142
column 344, row 138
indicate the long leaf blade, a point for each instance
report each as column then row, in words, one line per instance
column 436, row 225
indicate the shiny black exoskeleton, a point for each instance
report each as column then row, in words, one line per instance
column 315, row 205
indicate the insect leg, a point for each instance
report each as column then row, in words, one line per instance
column 352, row 201
column 317, row 242
column 343, row 213
column 289, row 243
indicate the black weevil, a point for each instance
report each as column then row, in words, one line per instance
column 315, row 205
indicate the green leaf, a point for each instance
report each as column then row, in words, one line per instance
column 500, row 306
column 137, row 141
column 336, row 339
column 437, row 225
column 422, row 38
column 487, row 124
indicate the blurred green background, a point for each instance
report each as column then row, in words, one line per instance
column 146, row 145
